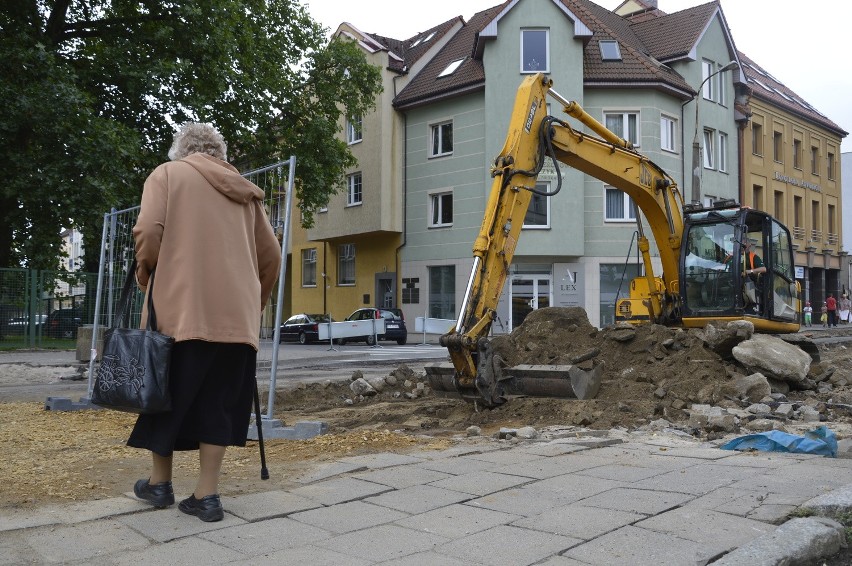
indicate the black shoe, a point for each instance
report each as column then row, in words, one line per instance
column 208, row 508
column 159, row 495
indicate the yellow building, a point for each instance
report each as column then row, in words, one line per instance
column 790, row 159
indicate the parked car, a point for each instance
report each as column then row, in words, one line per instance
column 20, row 325
column 63, row 323
column 303, row 328
column 394, row 325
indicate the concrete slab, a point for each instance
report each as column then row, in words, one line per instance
column 644, row 501
column 579, row 521
column 267, row 505
column 402, row 476
column 13, row 519
column 828, row 504
column 504, row 457
column 459, row 465
column 305, row 554
column 507, row 546
column 719, row 532
column 348, row 517
column 164, row 525
column 522, row 501
column 186, row 552
column 339, row 490
column 788, row 480
column 798, row 541
column 573, row 487
column 82, row 542
column 621, row 472
column 382, row 543
column 418, row 499
column 630, row 546
column 697, row 480
column 480, row 483
column 550, row 449
column 330, row 470
column 456, row 521
column 253, row 539
column 429, row 557
column 556, row 465
column 382, row 460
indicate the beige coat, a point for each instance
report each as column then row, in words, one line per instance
column 203, row 227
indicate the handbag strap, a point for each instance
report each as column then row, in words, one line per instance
column 123, row 311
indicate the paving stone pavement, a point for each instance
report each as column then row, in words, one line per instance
column 605, row 499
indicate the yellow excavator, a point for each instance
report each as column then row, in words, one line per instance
column 719, row 263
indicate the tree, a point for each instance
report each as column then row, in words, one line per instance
column 92, row 90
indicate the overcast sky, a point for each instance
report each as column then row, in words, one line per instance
column 800, row 43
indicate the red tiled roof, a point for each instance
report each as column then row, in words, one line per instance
column 672, row 36
column 769, row 89
column 413, row 48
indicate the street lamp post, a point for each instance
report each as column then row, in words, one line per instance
column 696, row 148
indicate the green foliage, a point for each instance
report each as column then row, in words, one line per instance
column 92, row 91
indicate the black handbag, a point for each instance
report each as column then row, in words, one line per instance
column 134, row 372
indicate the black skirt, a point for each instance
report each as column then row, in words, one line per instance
column 212, row 387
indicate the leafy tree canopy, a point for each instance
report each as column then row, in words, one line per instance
column 92, row 90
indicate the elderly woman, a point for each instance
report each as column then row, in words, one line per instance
column 843, row 306
column 204, row 228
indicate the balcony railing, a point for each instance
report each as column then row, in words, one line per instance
column 831, row 239
column 798, row 233
column 816, row 236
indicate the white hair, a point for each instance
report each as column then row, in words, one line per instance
column 195, row 137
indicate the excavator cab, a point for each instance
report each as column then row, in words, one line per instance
column 737, row 263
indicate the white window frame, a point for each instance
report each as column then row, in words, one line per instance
column 436, row 209
column 723, row 152
column 309, row 257
column 668, row 129
column 709, row 90
column 545, row 187
column 539, row 67
column 354, row 131
column 709, row 149
column 437, row 139
column 628, row 207
column 354, row 189
column 625, row 124
column 722, row 81
column 345, row 258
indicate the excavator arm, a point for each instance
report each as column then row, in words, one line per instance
column 532, row 138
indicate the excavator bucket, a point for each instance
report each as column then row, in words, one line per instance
column 560, row 381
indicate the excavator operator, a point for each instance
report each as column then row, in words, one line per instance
column 753, row 268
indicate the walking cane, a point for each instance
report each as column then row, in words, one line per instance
column 264, row 473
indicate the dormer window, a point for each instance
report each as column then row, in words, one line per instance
column 610, row 50
column 451, row 68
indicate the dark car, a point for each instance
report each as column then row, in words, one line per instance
column 63, row 323
column 394, row 324
column 20, row 325
column 303, row 328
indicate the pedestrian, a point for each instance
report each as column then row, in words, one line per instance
column 831, row 304
column 204, row 227
column 823, row 316
column 843, row 307
column 808, row 311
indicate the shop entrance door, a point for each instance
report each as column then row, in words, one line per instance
column 528, row 293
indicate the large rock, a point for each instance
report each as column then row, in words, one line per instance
column 774, row 358
column 723, row 340
column 753, row 387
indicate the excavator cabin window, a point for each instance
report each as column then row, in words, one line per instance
column 708, row 277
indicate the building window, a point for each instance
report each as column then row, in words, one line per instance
column 618, row 206
column 538, row 213
column 778, row 147
column 309, row 267
column 535, row 57
column 442, row 139
column 410, row 290
column 346, row 264
column 354, row 196
column 623, row 124
column 797, row 154
column 814, row 160
column 668, row 127
column 757, row 197
column 756, row 139
column 723, row 152
column 442, row 292
column 830, row 165
column 353, row 129
column 451, row 68
column 832, row 232
column 815, row 218
column 778, row 213
column 722, row 81
column 709, row 149
column 441, row 210
column 609, row 50
column 710, row 87
column 798, row 228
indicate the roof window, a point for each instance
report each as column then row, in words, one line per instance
column 610, row 50
column 451, row 68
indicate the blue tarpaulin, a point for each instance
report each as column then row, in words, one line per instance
column 820, row 441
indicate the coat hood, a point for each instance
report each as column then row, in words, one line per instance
column 224, row 177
